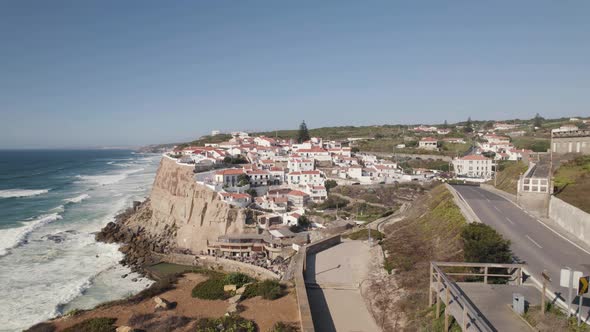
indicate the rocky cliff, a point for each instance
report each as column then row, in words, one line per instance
column 180, row 214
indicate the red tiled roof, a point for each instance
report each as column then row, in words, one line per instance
column 297, row 193
column 230, row 171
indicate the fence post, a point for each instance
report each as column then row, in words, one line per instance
column 447, row 308
column 437, row 297
column 430, row 287
column 485, row 277
column 464, row 322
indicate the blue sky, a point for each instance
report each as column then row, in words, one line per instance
column 102, row 73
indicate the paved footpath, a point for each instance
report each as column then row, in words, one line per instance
column 334, row 276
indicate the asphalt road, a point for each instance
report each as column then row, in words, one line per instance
column 533, row 243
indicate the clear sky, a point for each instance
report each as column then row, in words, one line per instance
column 91, row 73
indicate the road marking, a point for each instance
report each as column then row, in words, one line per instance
column 549, row 228
column 533, row 241
column 495, row 207
column 510, row 221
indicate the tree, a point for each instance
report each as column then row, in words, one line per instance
column 303, row 222
column 243, row 180
column 468, row 126
column 538, row 121
column 330, row 184
column 303, row 134
column 489, row 125
column 252, row 192
column 445, row 125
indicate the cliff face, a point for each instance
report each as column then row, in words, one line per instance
column 184, row 213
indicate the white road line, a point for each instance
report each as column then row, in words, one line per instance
column 533, row 241
column 549, row 228
column 510, row 221
column 495, row 207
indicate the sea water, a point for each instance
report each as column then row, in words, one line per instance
column 51, row 204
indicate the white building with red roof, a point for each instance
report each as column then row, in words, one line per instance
column 305, row 177
column 300, row 164
column 316, row 153
column 473, row 166
column 229, row 177
column 298, row 198
column 237, row 199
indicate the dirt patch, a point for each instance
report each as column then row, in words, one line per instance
column 187, row 309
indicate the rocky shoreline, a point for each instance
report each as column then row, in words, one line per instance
column 136, row 244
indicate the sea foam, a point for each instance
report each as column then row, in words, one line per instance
column 13, row 237
column 12, row 193
column 104, row 180
column 77, row 199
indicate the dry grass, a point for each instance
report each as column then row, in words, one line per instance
column 508, row 175
column 431, row 232
column 572, row 180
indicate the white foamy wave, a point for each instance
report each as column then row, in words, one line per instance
column 14, row 237
column 110, row 162
column 72, row 293
column 10, row 193
column 104, row 180
column 77, row 199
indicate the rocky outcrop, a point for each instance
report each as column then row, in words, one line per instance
column 180, row 215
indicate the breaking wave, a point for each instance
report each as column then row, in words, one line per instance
column 14, row 237
column 77, row 199
column 11, row 193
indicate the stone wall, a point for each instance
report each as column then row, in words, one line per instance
column 570, row 218
column 218, row 263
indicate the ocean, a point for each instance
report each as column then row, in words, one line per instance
column 51, row 204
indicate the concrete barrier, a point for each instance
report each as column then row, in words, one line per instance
column 570, row 218
column 466, row 210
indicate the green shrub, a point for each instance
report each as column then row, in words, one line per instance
column 482, row 244
column 102, row 324
column 284, row 327
column 237, row 278
column 211, row 289
column 232, row 323
column 267, row 289
column 363, row 234
column 42, row 327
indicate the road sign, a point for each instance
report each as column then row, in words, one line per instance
column 564, row 280
column 583, row 286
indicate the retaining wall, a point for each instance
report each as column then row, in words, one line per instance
column 570, row 218
column 466, row 210
column 218, row 263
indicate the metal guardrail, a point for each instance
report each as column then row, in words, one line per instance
column 456, row 301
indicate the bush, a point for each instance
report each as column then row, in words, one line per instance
column 482, row 244
column 329, row 184
column 284, row 327
column 140, row 319
column 236, row 278
column 211, row 289
column 363, row 234
column 94, row 325
column 169, row 324
column 232, row 323
column 42, row 327
column 267, row 289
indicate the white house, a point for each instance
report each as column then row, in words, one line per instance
column 428, row 143
column 259, row 177
column 300, row 164
column 298, row 198
column 495, row 139
column 317, row 193
column 316, row 153
column 473, row 166
column 305, row 177
column 237, row 199
column 229, row 176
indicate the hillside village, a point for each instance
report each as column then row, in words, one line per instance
column 287, row 181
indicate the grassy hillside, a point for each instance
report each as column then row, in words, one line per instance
column 508, row 174
column 432, row 232
column 572, row 182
